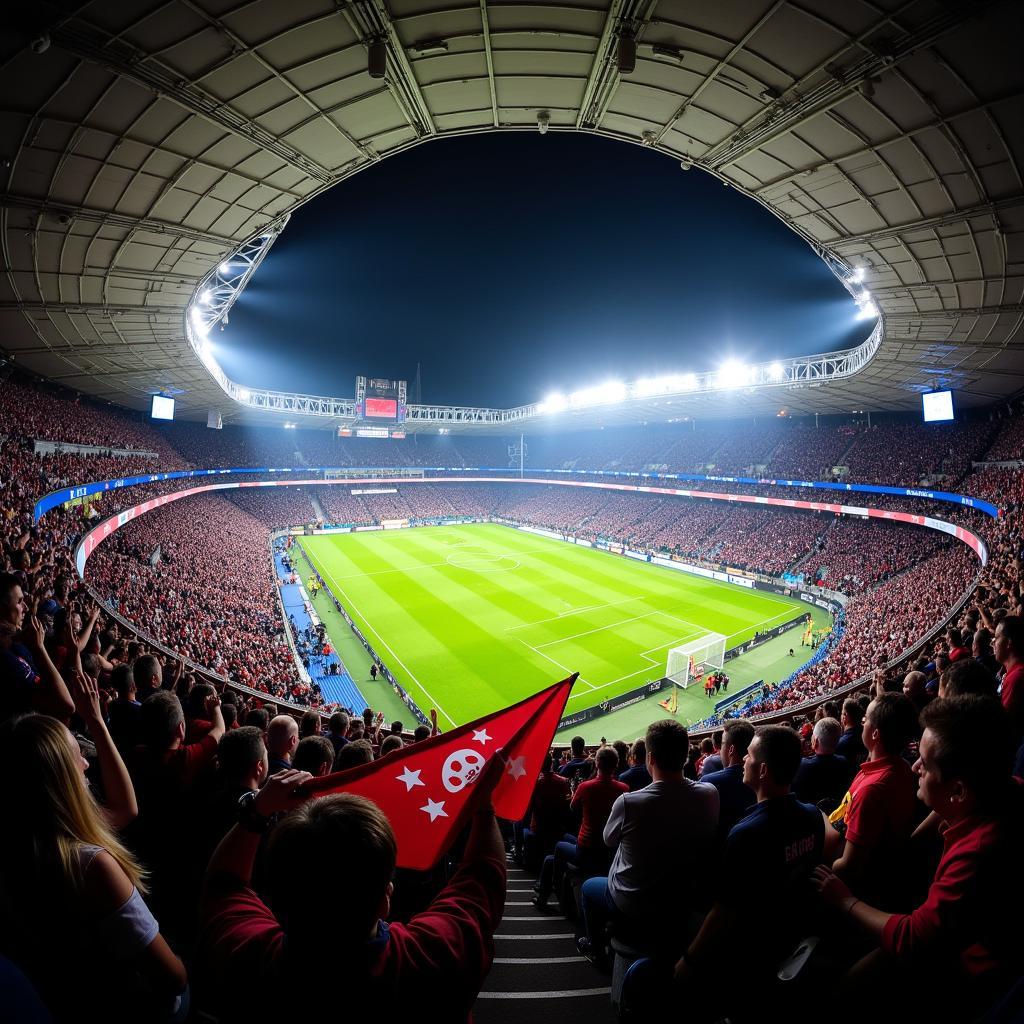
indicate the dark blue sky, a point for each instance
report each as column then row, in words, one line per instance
column 512, row 265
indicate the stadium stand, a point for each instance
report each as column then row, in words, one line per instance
column 212, row 595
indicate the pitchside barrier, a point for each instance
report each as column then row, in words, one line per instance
column 824, row 599
column 352, row 474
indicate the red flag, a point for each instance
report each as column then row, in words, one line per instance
column 426, row 790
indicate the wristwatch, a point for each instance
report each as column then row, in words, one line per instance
column 248, row 817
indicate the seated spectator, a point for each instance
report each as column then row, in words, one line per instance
column 309, row 725
column 636, row 776
column 876, row 817
column 665, row 830
column 74, row 918
column 445, row 951
column 956, row 953
column 1008, row 647
column 593, row 800
column 315, row 755
column 548, row 816
column 736, row 798
column 851, row 743
column 765, row 877
column 392, row 742
column 713, row 761
column 579, row 767
column 282, row 739
column 823, row 777
column 337, row 730
column 355, row 753
column 967, row 676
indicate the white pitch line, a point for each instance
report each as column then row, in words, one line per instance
column 354, row 612
column 577, row 611
column 557, row 664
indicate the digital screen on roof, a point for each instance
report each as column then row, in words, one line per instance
column 381, row 409
column 938, row 406
column 162, row 408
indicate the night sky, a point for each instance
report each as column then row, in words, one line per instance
column 513, row 265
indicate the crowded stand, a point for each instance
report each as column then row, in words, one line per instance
column 126, row 816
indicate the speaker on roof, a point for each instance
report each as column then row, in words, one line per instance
column 627, row 54
column 377, row 58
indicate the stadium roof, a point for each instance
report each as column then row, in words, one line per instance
column 142, row 143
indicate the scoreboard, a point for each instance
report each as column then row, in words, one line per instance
column 380, row 401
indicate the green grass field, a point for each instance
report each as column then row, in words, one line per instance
column 473, row 618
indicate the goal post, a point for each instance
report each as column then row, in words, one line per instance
column 691, row 660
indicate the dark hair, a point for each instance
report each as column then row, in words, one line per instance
column 780, row 750
column 707, row 745
column 393, row 741
column 8, row 581
column 1013, row 629
column 195, row 702
column 607, row 759
column 238, row 751
column 974, row 742
column 145, row 669
column 854, row 710
column 122, row 679
column 895, row 718
column 338, row 723
column 313, row 752
column 368, row 717
column 396, row 728
column 229, row 712
column 968, row 676
column 668, row 743
column 159, row 719
column 352, row 754
column 420, row 733
column 622, row 749
column 259, row 718
column 335, row 836
column 738, row 733
column 639, row 751
column 309, row 724
column 578, row 745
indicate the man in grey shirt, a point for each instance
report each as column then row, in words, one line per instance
column 664, row 838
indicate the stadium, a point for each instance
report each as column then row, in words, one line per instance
column 748, row 631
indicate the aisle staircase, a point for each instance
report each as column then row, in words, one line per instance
column 538, row 975
column 318, row 509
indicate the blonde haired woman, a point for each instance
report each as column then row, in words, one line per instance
column 71, row 909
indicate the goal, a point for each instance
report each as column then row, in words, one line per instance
column 689, row 661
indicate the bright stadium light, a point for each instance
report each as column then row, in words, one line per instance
column 225, row 269
column 555, row 402
column 857, row 277
column 868, row 311
column 198, row 322
column 243, row 394
column 688, row 382
column 601, row 394
column 733, row 374
column 647, row 386
column 206, row 297
column 776, row 371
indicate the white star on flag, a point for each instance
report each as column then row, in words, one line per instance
column 517, row 767
column 410, row 778
column 480, row 735
column 435, row 808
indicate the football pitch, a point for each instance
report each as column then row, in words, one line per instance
column 475, row 617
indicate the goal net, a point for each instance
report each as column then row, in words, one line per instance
column 691, row 660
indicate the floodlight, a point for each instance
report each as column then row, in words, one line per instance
column 555, row 402
column 206, row 297
column 733, row 374
column 198, row 322
column 776, row 371
column 869, row 311
column 688, row 381
column 224, row 269
column 857, row 277
column 647, row 386
column 243, row 394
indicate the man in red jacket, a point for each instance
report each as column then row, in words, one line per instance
column 329, row 866
column 957, row 952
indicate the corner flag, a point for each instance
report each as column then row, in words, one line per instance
column 445, row 767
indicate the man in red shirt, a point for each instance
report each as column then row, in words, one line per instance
column 442, row 954
column 873, row 823
column 1008, row 647
column 956, row 953
column 548, row 816
column 593, row 799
